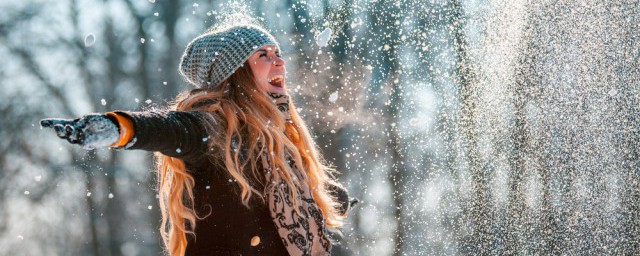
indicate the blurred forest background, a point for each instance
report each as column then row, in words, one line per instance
column 465, row 127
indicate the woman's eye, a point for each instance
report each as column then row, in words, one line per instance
column 263, row 55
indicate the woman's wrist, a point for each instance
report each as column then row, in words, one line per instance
column 126, row 129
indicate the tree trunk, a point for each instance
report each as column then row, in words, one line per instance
column 481, row 237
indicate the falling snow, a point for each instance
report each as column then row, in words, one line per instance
column 323, row 38
column 465, row 127
column 333, row 97
column 89, row 40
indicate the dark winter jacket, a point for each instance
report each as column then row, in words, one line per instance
column 228, row 227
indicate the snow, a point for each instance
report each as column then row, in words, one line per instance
column 551, row 91
column 100, row 132
column 89, row 40
column 323, row 38
column 333, row 97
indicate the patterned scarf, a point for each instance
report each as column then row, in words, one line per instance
column 304, row 233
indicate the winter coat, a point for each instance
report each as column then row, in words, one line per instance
column 228, row 227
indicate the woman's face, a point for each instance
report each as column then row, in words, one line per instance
column 268, row 69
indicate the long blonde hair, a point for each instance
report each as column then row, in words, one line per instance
column 241, row 115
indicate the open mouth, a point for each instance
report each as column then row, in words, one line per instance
column 276, row 80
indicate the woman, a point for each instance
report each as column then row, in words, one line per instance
column 238, row 170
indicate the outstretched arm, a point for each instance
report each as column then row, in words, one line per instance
column 180, row 134
column 173, row 133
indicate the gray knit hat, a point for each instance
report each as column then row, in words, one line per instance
column 215, row 55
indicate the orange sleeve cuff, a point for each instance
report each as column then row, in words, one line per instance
column 126, row 129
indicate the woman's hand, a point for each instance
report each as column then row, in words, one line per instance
column 90, row 131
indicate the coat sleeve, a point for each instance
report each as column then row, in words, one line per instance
column 180, row 134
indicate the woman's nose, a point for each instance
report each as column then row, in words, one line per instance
column 278, row 61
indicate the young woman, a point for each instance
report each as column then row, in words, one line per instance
column 238, row 170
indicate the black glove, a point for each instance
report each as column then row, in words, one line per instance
column 352, row 202
column 346, row 202
column 90, row 131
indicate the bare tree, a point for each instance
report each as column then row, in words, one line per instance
column 386, row 79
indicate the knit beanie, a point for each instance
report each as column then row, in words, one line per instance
column 215, row 55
